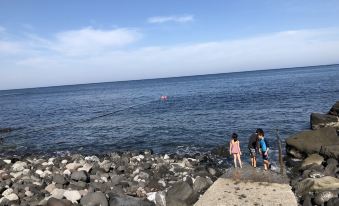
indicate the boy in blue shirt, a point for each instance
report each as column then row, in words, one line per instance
column 263, row 149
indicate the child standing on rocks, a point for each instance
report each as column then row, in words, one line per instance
column 263, row 144
column 235, row 149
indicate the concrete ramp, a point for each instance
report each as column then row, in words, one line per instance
column 249, row 186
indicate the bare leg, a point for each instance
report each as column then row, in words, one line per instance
column 235, row 160
column 238, row 156
column 254, row 162
column 266, row 163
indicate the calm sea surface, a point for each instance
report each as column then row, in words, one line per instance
column 201, row 111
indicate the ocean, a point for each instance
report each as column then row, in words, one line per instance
column 200, row 113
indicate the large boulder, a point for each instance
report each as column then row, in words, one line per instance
column 335, row 109
column 181, row 194
column 326, row 183
column 312, row 159
column 310, row 142
column 201, row 184
column 324, row 120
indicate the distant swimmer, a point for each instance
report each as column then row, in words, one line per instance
column 164, row 98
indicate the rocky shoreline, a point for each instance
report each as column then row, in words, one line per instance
column 116, row 179
column 313, row 157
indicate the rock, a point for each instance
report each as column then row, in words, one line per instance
column 332, row 161
column 72, row 195
column 50, row 188
column 73, row 166
column 124, row 200
column 181, row 193
column 19, row 166
column 310, row 142
column 317, row 184
column 312, row 159
column 87, row 167
column 7, row 192
column 12, row 197
column 92, row 158
column 212, row 171
column 166, row 157
column 335, row 109
column 8, row 161
column 29, row 193
column 325, row 196
column 333, row 202
column 201, row 184
column 58, row 193
column 56, row 202
column 94, row 199
column 160, row 198
column 330, row 170
column 221, row 151
column 64, row 162
column 307, row 200
column 59, row 179
column 105, row 165
column 80, row 176
column 331, row 151
column 324, row 120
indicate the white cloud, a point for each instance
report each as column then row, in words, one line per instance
column 164, row 19
column 91, row 41
column 48, row 62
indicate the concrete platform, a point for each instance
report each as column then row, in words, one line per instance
column 249, row 186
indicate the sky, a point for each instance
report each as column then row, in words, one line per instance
column 49, row 43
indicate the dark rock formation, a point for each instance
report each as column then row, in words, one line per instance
column 312, row 141
column 324, row 120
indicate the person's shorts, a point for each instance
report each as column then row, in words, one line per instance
column 253, row 153
column 265, row 157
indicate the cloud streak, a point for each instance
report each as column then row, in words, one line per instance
column 166, row 19
column 98, row 56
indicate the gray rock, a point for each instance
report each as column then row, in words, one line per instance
column 181, row 193
column 335, row 109
column 322, row 197
column 59, row 179
column 19, row 166
column 310, row 142
column 312, row 159
column 56, row 202
column 324, row 120
column 330, row 170
column 307, row 200
column 333, row 202
column 201, row 184
column 124, row 200
column 331, row 151
column 80, row 176
column 332, row 161
column 326, row 183
column 212, row 171
column 94, row 199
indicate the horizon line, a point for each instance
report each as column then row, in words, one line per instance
column 170, row 77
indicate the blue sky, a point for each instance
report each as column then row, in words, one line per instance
column 45, row 43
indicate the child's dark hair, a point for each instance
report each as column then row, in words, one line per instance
column 235, row 137
column 260, row 132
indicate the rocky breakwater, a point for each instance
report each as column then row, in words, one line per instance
column 331, row 119
column 313, row 158
column 134, row 179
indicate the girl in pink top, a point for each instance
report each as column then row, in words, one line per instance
column 235, row 149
